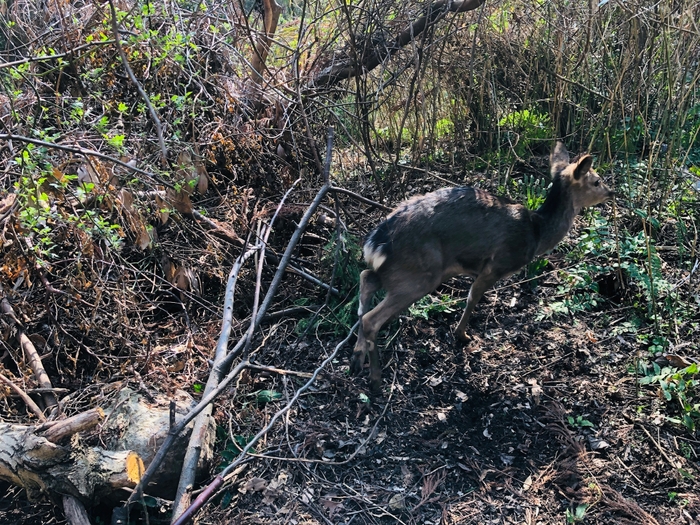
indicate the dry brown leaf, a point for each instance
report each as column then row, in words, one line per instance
column 169, row 269
column 180, row 200
column 144, row 235
column 677, row 361
column 93, row 172
column 182, row 281
column 163, row 211
column 203, row 178
column 254, row 485
column 126, row 199
column 331, row 506
column 7, row 202
column 178, row 366
column 143, row 238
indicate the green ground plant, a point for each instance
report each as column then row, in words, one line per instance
column 40, row 190
column 342, row 255
column 679, row 387
column 524, row 130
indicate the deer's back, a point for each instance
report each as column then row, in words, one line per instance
column 454, row 231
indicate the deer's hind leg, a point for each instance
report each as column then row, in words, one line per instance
column 369, row 284
column 398, row 297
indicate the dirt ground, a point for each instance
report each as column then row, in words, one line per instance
column 477, row 434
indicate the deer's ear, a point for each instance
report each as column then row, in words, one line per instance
column 582, row 166
column 559, row 159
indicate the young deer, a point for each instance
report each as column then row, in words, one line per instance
column 463, row 231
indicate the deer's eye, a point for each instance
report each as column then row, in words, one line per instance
column 597, row 183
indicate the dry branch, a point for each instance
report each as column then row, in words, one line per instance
column 31, row 405
column 33, row 357
column 209, row 491
column 134, row 80
column 203, row 431
column 350, row 68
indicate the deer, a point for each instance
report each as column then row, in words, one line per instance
column 456, row 231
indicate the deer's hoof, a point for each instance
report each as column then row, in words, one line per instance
column 375, row 387
column 356, row 363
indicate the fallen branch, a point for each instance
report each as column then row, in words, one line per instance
column 203, row 430
column 57, row 431
column 336, row 189
column 209, row 491
column 31, row 405
column 350, row 68
column 33, row 460
column 306, row 275
column 33, row 357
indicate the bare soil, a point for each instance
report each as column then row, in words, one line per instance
column 470, row 434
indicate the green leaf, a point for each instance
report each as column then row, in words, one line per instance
column 266, row 396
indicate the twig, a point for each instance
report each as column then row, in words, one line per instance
column 31, row 405
column 217, row 230
column 300, row 230
column 658, row 447
column 33, row 357
column 279, row 371
column 282, row 266
column 306, row 275
column 85, row 152
column 134, row 80
column 56, row 56
column 360, row 198
column 289, row 312
column 203, row 424
column 687, row 277
column 219, row 480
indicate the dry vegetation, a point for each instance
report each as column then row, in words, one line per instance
column 128, row 193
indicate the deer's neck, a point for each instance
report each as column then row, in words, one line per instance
column 555, row 216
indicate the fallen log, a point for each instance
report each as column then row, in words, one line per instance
column 53, row 459
column 33, row 458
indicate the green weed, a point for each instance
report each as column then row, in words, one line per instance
column 524, row 129
column 681, row 387
column 430, row 305
column 576, row 515
column 579, row 422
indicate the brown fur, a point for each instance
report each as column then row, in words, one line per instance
column 463, row 231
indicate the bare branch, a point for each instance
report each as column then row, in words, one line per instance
column 376, row 55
